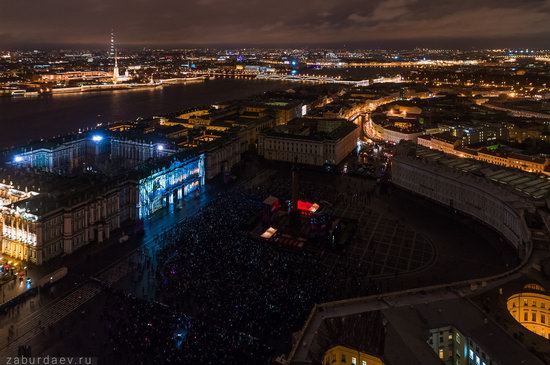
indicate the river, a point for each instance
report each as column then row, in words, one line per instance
column 25, row 119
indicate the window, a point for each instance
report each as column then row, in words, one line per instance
column 471, row 355
column 441, row 354
column 525, row 316
column 534, row 316
column 343, row 357
column 364, row 362
column 542, row 318
column 353, row 360
column 457, row 337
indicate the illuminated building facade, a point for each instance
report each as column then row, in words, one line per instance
column 75, row 75
column 168, row 184
column 451, row 145
column 466, row 187
column 90, row 194
column 19, row 234
column 133, row 152
column 17, row 227
column 391, row 133
column 454, row 348
column 222, row 155
column 531, row 308
column 282, row 110
column 310, row 141
column 45, row 225
column 94, row 149
column 74, row 212
column 341, row 355
column 63, row 156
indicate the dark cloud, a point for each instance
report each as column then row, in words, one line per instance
column 258, row 22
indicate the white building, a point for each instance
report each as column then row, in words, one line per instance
column 310, row 141
column 472, row 189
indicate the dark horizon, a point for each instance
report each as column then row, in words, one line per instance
column 459, row 45
column 377, row 24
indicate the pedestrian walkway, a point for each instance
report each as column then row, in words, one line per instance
column 53, row 313
column 42, row 320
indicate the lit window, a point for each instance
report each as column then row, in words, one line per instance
column 441, row 354
column 471, row 355
column 353, row 360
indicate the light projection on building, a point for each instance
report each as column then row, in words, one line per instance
column 168, row 185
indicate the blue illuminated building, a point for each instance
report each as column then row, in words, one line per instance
column 167, row 185
column 71, row 153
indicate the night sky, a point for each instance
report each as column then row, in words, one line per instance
column 362, row 23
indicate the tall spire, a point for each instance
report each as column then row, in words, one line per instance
column 116, row 73
column 112, row 49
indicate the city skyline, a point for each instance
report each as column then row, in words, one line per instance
column 343, row 182
column 348, row 23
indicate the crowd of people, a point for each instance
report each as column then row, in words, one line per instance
column 226, row 296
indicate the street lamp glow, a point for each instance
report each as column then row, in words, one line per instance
column 18, row 159
column 160, row 147
column 97, row 138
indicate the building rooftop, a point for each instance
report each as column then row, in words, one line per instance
column 413, row 324
column 313, row 129
column 513, row 181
